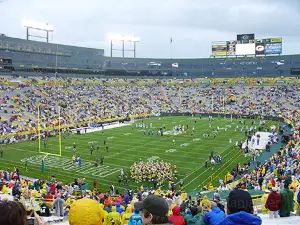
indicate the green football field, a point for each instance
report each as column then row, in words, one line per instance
column 127, row 145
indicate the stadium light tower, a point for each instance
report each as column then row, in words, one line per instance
column 37, row 26
column 122, row 38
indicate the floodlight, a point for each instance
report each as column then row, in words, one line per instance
column 38, row 26
column 122, row 38
column 28, row 24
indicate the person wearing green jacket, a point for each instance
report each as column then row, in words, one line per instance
column 196, row 218
column 287, row 197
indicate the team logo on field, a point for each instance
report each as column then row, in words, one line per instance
column 171, row 150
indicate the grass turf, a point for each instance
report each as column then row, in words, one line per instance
column 127, row 145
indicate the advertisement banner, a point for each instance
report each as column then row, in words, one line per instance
column 219, row 50
column 276, row 40
column 273, row 48
column 231, row 47
column 244, row 38
column 259, row 48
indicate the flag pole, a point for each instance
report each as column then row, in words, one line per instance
column 171, row 47
column 212, row 103
column 39, row 128
column 59, row 133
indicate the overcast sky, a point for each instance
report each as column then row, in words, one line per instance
column 192, row 24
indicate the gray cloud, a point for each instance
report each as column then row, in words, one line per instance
column 193, row 24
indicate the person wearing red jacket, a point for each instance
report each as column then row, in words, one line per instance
column 273, row 203
column 176, row 219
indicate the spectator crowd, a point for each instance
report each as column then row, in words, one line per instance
column 278, row 177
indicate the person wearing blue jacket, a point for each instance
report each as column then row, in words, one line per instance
column 119, row 209
column 135, row 218
column 240, row 209
column 215, row 215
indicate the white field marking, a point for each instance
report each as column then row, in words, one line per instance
column 112, row 137
column 131, row 161
column 67, row 165
column 138, row 147
column 153, row 158
column 68, row 147
column 197, row 139
column 124, row 144
column 63, row 157
column 174, row 133
column 217, row 171
column 203, row 167
column 126, row 134
column 104, row 182
column 184, row 145
column 209, row 168
column 171, row 150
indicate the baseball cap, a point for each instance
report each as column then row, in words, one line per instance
column 239, row 200
column 154, row 204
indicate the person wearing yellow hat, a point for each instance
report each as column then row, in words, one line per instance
column 113, row 218
column 126, row 216
column 86, row 212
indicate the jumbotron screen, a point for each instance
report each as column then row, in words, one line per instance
column 247, row 45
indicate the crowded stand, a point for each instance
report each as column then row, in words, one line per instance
column 84, row 102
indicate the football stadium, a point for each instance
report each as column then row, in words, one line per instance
column 185, row 140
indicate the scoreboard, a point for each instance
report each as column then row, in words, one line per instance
column 246, row 44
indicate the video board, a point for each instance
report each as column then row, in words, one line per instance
column 245, row 49
column 247, row 45
column 219, row 48
column 231, row 47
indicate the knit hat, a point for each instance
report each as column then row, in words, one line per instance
column 274, row 189
column 86, row 212
column 239, row 200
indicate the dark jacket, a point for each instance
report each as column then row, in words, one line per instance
column 274, row 201
column 176, row 218
column 241, row 218
column 194, row 220
column 287, row 197
column 215, row 216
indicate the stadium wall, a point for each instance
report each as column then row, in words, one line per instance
column 39, row 58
